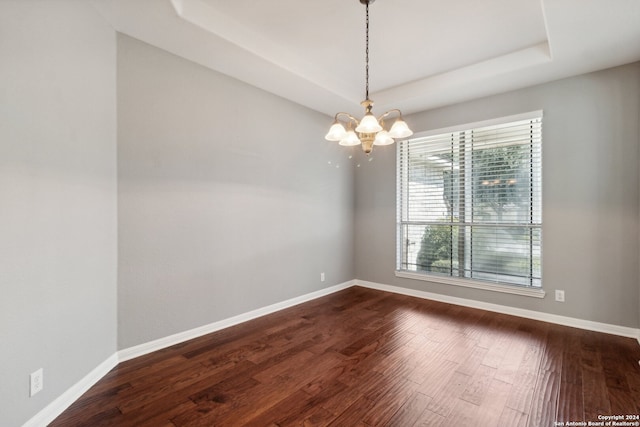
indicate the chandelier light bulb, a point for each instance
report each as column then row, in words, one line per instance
column 400, row 129
column 350, row 139
column 369, row 124
column 336, row 133
column 383, row 138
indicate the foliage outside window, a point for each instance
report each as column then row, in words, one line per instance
column 469, row 203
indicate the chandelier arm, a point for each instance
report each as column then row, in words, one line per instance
column 386, row 113
column 353, row 119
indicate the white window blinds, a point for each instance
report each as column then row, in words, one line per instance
column 470, row 203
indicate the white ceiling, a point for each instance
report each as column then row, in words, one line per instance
column 423, row 53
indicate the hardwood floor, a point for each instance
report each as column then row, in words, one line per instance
column 366, row 358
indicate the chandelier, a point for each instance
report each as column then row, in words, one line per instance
column 369, row 131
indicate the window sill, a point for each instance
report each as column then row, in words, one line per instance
column 467, row 283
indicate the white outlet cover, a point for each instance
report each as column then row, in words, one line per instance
column 36, row 382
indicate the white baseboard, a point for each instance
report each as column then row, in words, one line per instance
column 142, row 349
column 58, row 406
column 520, row 312
column 55, row 408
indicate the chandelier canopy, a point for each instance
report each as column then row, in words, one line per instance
column 369, row 131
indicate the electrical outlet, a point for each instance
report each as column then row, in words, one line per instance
column 322, row 276
column 559, row 295
column 36, row 382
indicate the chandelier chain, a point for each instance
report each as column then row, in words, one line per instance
column 367, row 55
column 369, row 131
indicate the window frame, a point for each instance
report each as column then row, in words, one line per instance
column 531, row 291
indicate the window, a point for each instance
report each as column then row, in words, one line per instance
column 470, row 204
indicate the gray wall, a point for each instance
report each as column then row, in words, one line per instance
column 590, row 196
column 229, row 197
column 57, row 199
column 221, row 212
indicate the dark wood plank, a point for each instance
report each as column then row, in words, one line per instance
column 387, row 404
column 595, row 394
column 437, row 376
column 512, row 418
column 503, row 337
column 571, row 402
column 442, row 402
column 340, row 402
column 523, row 389
column 477, row 388
column 494, row 403
column 544, row 407
column 410, row 412
column 354, row 413
column 303, row 409
column 159, row 415
column 464, row 414
column 361, row 357
column 507, row 369
column 472, row 360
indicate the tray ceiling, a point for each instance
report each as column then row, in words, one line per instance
column 423, row 54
